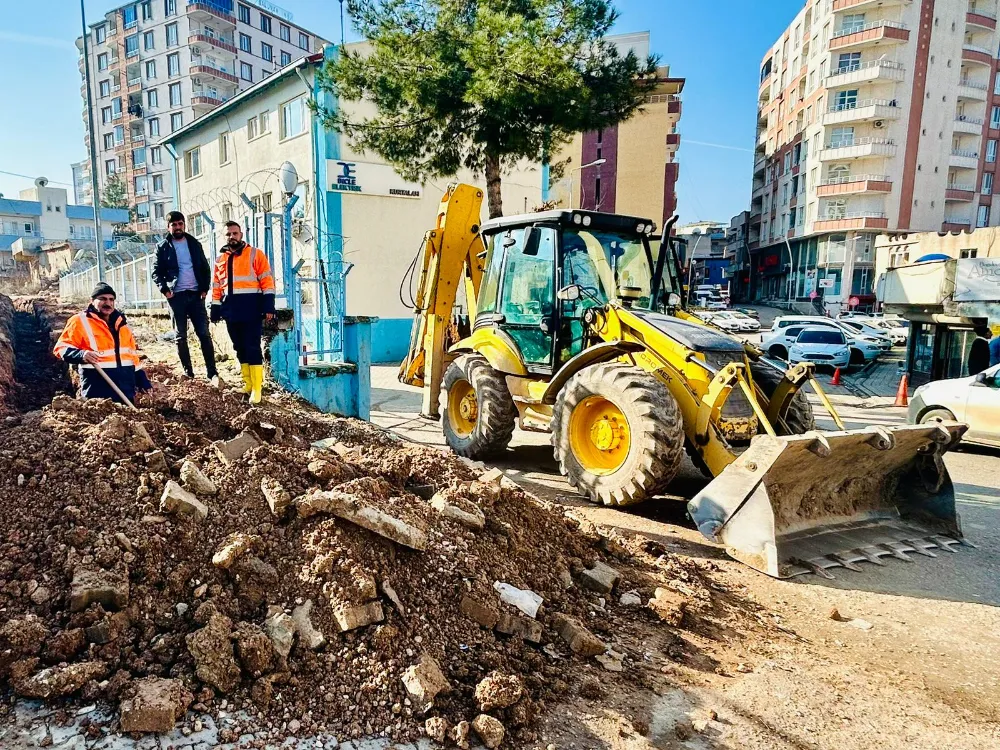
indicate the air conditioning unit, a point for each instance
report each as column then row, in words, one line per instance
column 195, row 49
column 878, row 124
column 196, row 81
column 298, row 226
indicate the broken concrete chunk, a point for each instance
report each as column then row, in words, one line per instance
column 254, row 649
column 669, row 606
column 611, row 661
column 498, row 690
column 524, row 599
column 212, row 650
column 460, row 735
column 156, row 461
column 600, row 578
column 278, row 499
column 490, row 730
column 177, row 500
column 393, row 597
column 233, row 547
column 309, row 636
column 155, row 705
column 522, row 627
column 482, row 613
column 353, row 509
column 351, row 617
column 470, row 518
column 423, row 682
column 54, row 682
column 91, row 584
column 230, row 451
column 580, row 640
column 280, row 628
column 437, row 729
column 195, row 480
column 141, row 441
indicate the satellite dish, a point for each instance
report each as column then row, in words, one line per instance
column 289, row 177
column 41, row 182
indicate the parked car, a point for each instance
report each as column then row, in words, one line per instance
column 883, row 341
column 870, row 327
column 721, row 318
column 786, row 329
column 974, row 400
column 821, row 345
column 734, row 321
column 749, row 311
column 896, row 329
column 747, row 323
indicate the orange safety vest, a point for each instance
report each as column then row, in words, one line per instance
column 242, row 283
column 87, row 331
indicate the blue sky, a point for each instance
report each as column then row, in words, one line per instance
column 716, row 46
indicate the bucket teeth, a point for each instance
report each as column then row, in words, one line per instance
column 895, row 552
column 817, row 569
column 920, row 549
column 870, row 557
column 844, row 562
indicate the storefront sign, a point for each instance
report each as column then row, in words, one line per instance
column 770, row 261
column 365, row 178
column 826, row 283
column 272, row 8
column 977, row 279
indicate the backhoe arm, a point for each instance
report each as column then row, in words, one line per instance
column 452, row 253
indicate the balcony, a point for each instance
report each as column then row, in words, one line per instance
column 956, row 224
column 134, row 85
column 962, row 158
column 975, row 54
column 873, row 70
column 870, row 34
column 220, row 43
column 673, row 140
column 966, row 124
column 864, row 110
column 209, row 70
column 974, row 90
column 762, row 138
column 840, row 6
column 137, row 138
column 852, row 220
column 851, row 184
column 674, row 107
column 963, row 193
column 980, row 20
column 214, row 100
column 205, row 12
column 759, row 165
column 859, row 148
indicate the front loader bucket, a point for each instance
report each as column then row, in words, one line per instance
column 806, row 503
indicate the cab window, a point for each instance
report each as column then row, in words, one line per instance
column 487, row 302
column 527, row 297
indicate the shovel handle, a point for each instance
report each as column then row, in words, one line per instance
column 115, row 388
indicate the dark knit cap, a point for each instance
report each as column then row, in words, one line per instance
column 103, row 288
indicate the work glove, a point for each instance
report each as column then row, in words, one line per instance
column 215, row 314
column 142, row 381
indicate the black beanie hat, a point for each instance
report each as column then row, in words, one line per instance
column 103, row 288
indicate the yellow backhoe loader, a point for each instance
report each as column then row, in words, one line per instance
column 573, row 324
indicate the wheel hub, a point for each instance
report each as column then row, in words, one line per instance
column 468, row 407
column 606, row 433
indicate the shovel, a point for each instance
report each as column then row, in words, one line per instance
column 116, row 389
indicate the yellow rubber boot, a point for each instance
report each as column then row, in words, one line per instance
column 257, row 378
column 247, row 378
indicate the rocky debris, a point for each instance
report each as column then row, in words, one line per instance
column 522, row 627
column 668, row 605
column 580, row 640
column 309, row 636
column 611, row 661
column 490, row 730
column 424, row 681
column 484, row 614
column 459, row 734
column 154, row 705
column 278, row 499
column 354, row 616
column 212, row 650
column 468, row 514
column 233, row 547
column 177, row 500
column 436, row 728
column 95, row 585
column 392, row 596
column 255, row 650
column 352, row 508
column 194, row 480
column 156, row 461
column 630, row 599
column 64, row 645
column 231, row 451
column 600, row 578
column 53, row 682
column 498, row 690
column 280, row 628
column 525, row 600
column 23, row 636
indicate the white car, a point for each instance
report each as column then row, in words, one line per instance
column 747, row 323
column 974, row 400
column 722, row 319
column 822, row 346
column 786, row 330
column 870, row 328
column 897, row 329
column 734, row 321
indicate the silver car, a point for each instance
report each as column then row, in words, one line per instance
column 974, row 400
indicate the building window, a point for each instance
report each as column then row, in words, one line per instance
column 100, row 34
column 119, row 134
column 138, row 157
column 129, row 16
column 852, row 22
column 227, row 211
column 246, row 71
column 173, row 64
column 105, row 87
column 836, row 209
column 157, row 183
column 159, row 209
column 840, row 137
column 983, row 216
column 265, row 23
column 303, row 41
column 788, row 161
column 285, row 32
column 293, row 118
column 192, row 163
column 171, row 29
column 266, row 52
column 146, row 10
column 174, row 91
column 170, row 7
column 150, row 69
column 244, row 13
column 245, row 42
column 105, row 115
column 987, row 183
column 102, row 61
column 970, row 253
column 252, row 131
column 110, row 166
column 176, row 121
column 223, row 148
column 156, row 155
column 848, row 61
column 132, row 45
column 991, row 151
column 845, row 100
column 109, row 141
column 154, row 127
column 286, row 59
column 152, row 98
column 148, row 40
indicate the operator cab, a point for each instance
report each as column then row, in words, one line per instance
column 544, row 271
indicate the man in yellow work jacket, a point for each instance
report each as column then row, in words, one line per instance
column 243, row 296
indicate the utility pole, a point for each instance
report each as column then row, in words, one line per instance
column 95, row 186
column 341, row 23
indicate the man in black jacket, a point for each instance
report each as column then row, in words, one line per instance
column 184, row 277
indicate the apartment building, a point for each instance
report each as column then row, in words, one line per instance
column 703, row 253
column 873, row 116
column 83, row 189
column 157, row 65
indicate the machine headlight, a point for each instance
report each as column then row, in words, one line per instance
column 586, row 221
column 577, row 219
column 640, row 228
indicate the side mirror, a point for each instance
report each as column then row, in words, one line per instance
column 673, row 300
column 569, row 293
column 532, row 238
column 982, row 378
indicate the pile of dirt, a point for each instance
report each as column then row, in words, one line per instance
column 300, row 572
column 7, row 386
column 37, row 323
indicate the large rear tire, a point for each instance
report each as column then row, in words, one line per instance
column 478, row 414
column 800, row 417
column 617, row 434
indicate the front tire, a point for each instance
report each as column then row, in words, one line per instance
column 799, row 417
column 617, row 434
column 478, row 414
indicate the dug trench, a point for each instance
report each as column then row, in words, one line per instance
column 275, row 572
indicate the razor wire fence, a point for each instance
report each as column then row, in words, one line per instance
column 128, row 269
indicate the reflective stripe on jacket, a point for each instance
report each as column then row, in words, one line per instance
column 112, row 341
column 242, row 283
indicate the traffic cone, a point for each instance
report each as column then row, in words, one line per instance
column 901, row 397
column 835, row 380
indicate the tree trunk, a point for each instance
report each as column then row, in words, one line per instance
column 493, row 195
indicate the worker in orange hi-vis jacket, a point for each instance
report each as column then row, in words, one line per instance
column 243, row 296
column 99, row 337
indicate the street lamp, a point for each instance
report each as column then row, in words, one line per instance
column 595, row 163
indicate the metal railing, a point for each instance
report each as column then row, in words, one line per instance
column 982, row 11
column 867, row 27
column 973, row 84
column 861, row 103
column 128, row 270
column 837, row 216
column 977, row 48
column 968, row 119
column 851, row 67
column 863, row 141
column 964, row 188
column 957, row 220
column 854, row 178
column 964, row 152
